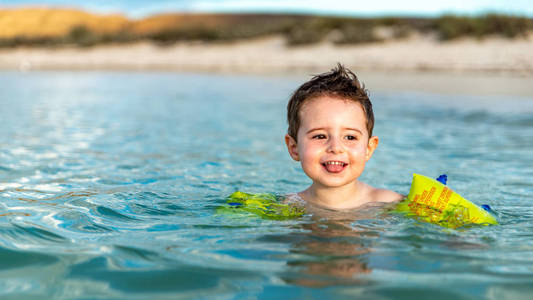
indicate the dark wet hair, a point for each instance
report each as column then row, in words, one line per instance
column 340, row 83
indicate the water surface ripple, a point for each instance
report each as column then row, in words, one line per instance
column 109, row 184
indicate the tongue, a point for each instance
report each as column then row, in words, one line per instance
column 334, row 168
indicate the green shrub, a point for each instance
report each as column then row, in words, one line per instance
column 82, row 36
column 354, row 34
column 20, row 41
column 506, row 25
column 451, row 27
column 310, row 31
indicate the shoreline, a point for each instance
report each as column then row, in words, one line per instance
column 492, row 67
column 271, row 55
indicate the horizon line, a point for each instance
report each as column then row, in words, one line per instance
column 304, row 12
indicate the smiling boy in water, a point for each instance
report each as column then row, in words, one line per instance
column 330, row 133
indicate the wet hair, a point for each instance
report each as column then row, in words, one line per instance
column 339, row 83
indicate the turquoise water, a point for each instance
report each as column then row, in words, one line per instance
column 109, row 183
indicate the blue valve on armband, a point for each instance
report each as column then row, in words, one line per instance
column 486, row 207
column 442, row 179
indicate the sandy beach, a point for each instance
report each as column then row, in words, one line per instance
column 492, row 55
column 495, row 66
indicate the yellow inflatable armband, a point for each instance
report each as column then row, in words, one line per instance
column 432, row 201
column 263, row 205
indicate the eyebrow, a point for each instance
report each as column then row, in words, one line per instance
column 314, row 129
column 354, row 129
column 345, row 128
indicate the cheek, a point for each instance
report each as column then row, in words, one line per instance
column 308, row 152
column 359, row 150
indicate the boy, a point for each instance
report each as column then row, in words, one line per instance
column 330, row 133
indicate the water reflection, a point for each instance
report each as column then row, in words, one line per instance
column 335, row 250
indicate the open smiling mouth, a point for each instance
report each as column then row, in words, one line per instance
column 334, row 166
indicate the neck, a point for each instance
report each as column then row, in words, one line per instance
column 343, row 197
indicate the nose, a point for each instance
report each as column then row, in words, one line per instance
column 335, row 145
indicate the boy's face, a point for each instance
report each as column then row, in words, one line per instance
column 333, row 143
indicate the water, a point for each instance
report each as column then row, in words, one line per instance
column 109, row 184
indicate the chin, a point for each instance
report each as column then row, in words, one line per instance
column 334, row 184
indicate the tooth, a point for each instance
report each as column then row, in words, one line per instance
column 335, row 163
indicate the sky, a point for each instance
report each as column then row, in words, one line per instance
column 141, row 8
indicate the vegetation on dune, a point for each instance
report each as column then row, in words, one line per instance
column 220, row 28
column 85, row 30
column 451, row 27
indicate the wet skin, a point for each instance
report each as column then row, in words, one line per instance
column 333, row 147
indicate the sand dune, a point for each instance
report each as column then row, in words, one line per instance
column 34, row 22
column 416, row 52
column 47, row 22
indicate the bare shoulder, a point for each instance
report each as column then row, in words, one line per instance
column 383, row 195
column 293, row 198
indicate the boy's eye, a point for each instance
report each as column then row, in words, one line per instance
column 319, row 136
column 351, row 137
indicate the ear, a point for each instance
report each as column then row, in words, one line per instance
column 372, row 145
column 292, row 147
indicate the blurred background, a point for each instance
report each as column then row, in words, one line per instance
column 268, row 36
